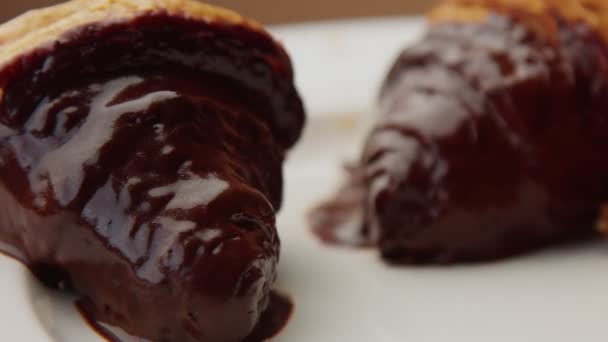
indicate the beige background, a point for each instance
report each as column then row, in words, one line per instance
column 275, row 11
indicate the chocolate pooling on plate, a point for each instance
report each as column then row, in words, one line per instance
column 141, row 151
column 490, row 137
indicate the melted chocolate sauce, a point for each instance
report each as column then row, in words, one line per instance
column 271, row 323
column 274, row 320
column 489, row 144
column 128, row 172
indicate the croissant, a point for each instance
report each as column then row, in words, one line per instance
column 490, row 137
column 141, row 151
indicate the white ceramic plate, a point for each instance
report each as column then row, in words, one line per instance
column 350, row 295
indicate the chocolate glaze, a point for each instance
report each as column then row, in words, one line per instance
column 489, row 144
column 272, row 321
column 128, row 172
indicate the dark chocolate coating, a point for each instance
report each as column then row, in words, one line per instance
column 490, row 143
column 140, row 165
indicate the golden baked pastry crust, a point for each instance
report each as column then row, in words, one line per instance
column 537, row 14
column 43, row 26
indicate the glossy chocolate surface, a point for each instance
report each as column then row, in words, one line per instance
column 272, row 321
column 140, row 165
column 489, row 144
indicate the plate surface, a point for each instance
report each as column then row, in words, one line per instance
column 350, row 295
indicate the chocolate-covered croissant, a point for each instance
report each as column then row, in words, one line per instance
column 491, row 135
column 141, row 150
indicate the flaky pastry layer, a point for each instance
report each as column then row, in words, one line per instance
column 43, row 26
column 537, row 14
